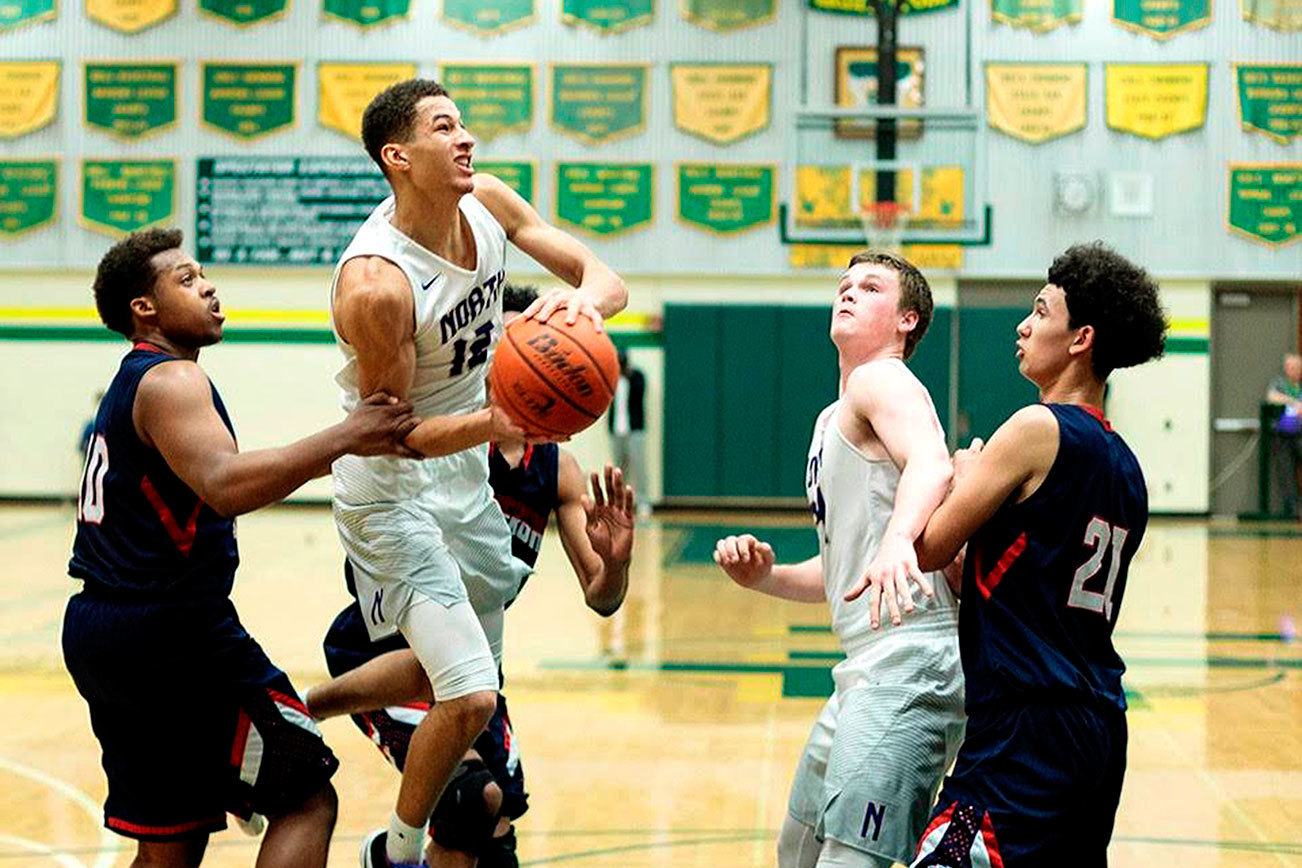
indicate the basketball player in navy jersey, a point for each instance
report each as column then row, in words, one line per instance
column 1052, row 511
column 530, row 482
column 193, row 720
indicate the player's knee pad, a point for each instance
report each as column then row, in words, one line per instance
column 464, row 818
column 499, row 852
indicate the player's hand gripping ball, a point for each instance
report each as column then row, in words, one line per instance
column 554, row 379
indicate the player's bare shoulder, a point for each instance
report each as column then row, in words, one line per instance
column 374, row 289
column 506, row 205
column 883, row 380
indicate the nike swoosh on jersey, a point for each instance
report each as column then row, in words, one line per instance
column 427, row 284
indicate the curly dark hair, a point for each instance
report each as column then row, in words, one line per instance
column 126, row 272
column 516, row 298
column 1118, row 298
column 915, row 292
column 391, row 115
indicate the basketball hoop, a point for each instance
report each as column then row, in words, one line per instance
column 883, row 225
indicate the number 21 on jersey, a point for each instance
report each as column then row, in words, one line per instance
column 1107, row 540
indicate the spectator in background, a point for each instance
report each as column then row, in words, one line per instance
column 627, row 423
column 1286, row 391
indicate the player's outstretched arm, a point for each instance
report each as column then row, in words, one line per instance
column 374, row 313
column 596, row 533
column 887, row 398
column 1012, row 464
column 599, row 292
column 174, row 413
column 750, row 563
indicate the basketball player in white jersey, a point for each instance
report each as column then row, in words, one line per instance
column 416, row 307
column 878, row 468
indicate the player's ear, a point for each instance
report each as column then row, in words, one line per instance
column 908, row 321
column 1083, row 341
column 144, row 306
column 395, row 156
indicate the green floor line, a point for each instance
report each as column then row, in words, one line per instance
column 1210, row 636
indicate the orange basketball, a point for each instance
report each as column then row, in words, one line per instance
column 553, row 378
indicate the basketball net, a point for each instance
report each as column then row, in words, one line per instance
column 883, row 225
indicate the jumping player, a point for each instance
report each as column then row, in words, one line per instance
column 487, row 792
column 1052, row 512
column 416, row 308
column 193, row 720
column 878, row 467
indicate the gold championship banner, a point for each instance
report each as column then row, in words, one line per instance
column 130, row 16
column 345, row 89
column 721, row 102
column 1036, row 102
column 1153, row 100
column 29, row 96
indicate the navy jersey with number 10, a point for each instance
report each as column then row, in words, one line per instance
column 1044, row 578
column 141, row 531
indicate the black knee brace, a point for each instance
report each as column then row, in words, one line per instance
column 499, row 852
column 462, row 819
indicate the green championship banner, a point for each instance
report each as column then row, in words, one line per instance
column 29, row 195
column 721, row 102
column 1155, row 100
column 605, row 198
column 865, row 7
column 14, row 13
column 599, row 102
column 1037, row 15
column 493, row 98
column 130, row 100
column 1162, row 19
column 346, row 89
column 366, row 13
column 725, row 198
column 244, row 12
column 488, row 17
column 1036, row 102
column 1270, row 98
column 1265, row 201
column 121, row 196
column 724, row 15
column 130, row 16
column 248, row 100
column 517, row 174
column 1276, row 14
column 29, row 96
column 608, row 16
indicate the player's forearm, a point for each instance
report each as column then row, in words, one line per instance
column 801, row 583
column 445, row 435
column 604, row 590
column 246, row 481
column 922, row 487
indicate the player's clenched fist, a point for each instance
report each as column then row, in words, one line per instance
column 746, row 560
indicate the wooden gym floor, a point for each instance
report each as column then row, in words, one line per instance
column 668, row 734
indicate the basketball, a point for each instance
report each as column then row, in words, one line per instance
column 553, row 378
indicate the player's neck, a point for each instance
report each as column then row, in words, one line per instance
column 433, row 222
column 852, row 358
column 513, row 453
column 161, row 342
column 1072, row 386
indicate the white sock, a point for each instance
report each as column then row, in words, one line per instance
column 405, row 844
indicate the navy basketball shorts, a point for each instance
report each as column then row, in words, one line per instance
column 1033, row 785
column 192, row 718
column 348, row 645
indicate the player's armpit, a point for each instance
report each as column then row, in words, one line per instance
column 375, row 314
column 1011, row 465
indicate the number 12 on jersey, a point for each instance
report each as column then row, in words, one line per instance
column 1103, row 537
